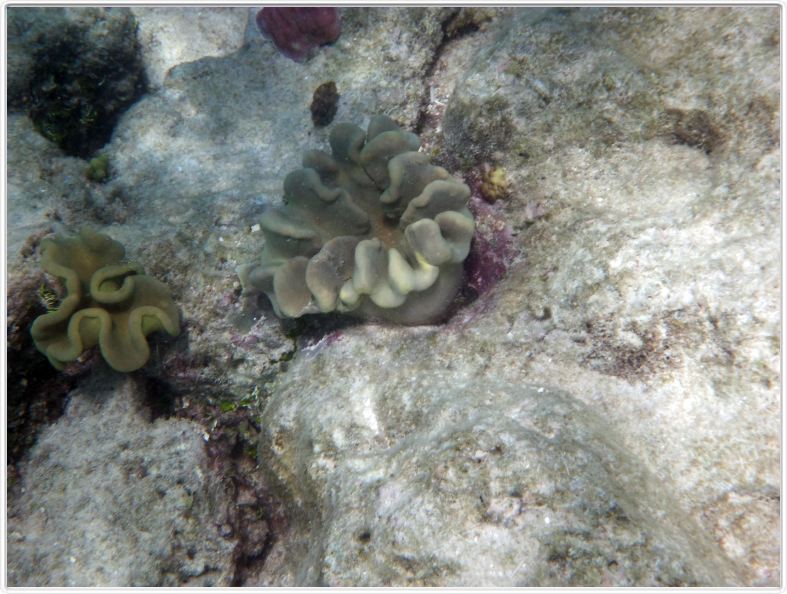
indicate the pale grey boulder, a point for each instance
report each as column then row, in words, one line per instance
column 109, row 498
column 442, row 480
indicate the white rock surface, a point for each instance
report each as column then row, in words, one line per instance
column 442, row 478
column 176, row 35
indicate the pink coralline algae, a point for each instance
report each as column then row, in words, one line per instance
column 492, row 249
column 297, row 31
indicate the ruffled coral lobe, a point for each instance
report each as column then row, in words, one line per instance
column 107, row 302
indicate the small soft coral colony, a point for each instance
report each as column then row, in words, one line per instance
column 107, row 302
column 372, row 229
column 297, row 31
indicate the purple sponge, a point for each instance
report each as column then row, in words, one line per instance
column 296, row 31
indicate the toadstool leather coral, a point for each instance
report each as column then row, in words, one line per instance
column 107, row 302
column 372, row 229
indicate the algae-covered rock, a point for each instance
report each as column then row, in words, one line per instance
column 97, row 169
column 85, row 71
column 373, row 230
column 107, row 302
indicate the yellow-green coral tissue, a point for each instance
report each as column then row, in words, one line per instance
column 108, row 302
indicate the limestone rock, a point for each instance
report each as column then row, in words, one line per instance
column 110, row 498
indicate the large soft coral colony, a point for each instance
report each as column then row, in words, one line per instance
column 372, row 229
column 107, row 301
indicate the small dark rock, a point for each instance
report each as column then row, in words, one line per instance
column 324, row 104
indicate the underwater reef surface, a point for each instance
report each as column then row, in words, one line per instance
column 602, row 409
